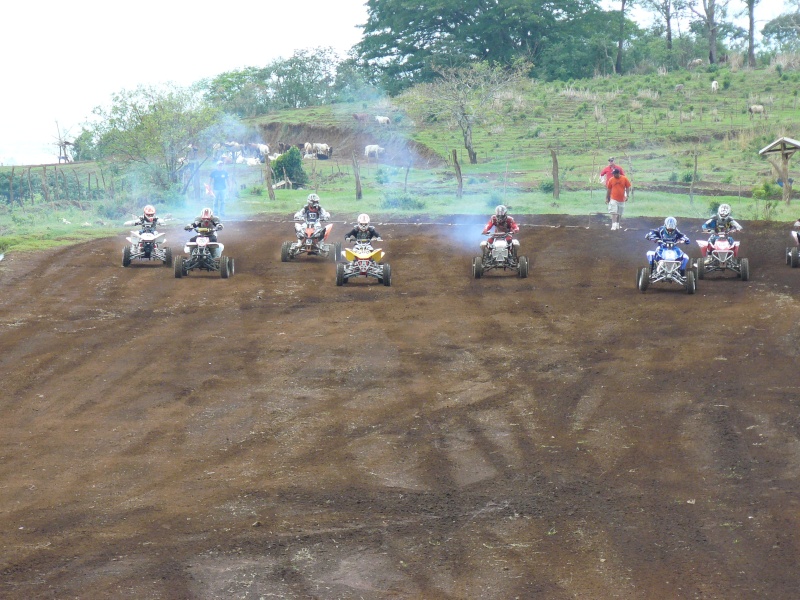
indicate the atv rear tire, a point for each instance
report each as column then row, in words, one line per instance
column 339, row 273
column 701, row 267
column 167, row 257
column 795, row 258
column 523, row 267
column 285, row 251
column 336, row 253
column 126, row 256
column 744, row 269
column 224, row 265
column 477, row 267
column 177, row 265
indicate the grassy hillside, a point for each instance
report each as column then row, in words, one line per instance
column 654, row 130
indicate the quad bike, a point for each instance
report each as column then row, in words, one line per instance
column 792, row 252
column 500, row 254
column 146, row 244
column 204, row 255
column 664, row 264
column 363, row 261
column 721, row 256
column 312, row 239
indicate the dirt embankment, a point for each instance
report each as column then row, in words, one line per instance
column 398, row 150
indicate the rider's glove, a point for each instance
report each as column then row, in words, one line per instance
column 688, row 241
column 378, row 239
column 219, row 225
column 347, row 238
column 188, row 228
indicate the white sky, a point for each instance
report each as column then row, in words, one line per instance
column 61, row 58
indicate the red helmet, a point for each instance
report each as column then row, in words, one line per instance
column 206, row 213
column 149, row 213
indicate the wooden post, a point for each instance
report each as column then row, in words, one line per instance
column 556, row 190
column 268, row 178
column 11, row 189
column 459, row 178
column 55, row 183
column 694, row 177
column 44, row 184
column 357, row 174
column 405, row 181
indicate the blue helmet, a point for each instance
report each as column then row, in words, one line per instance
column 670, row 224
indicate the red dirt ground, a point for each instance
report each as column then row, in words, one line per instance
column 275, row 436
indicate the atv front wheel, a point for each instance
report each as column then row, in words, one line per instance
column 223, row 267
column 691, row 283
column 477, row 267
column 336, row 252
column 167, row 257
column 126, row 256
column 523, row 267
column 387, row 275
column 643, row 281
column 795, row 258
column 178, row 267
column 744, row 269
column 285, row 251
column 340, row 274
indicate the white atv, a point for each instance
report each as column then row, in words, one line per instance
column 500, row 254
column 146, row 244
column 204, row 255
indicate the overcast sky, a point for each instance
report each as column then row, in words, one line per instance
column 62, row 58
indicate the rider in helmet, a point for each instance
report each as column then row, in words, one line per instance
column 363, row 230
column 148, row 219
column 721, row 224
column 669, row 233
column 312, row 211
column 503, row 223
column 206, row 220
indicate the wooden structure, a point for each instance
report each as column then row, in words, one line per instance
column 778, row 154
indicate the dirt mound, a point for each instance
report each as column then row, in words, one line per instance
column 399, row 150
column 274, row 435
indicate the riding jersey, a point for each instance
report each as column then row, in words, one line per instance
column 508, row 226
column 312, row 213
column 370, row 233
column 662, row 235
column 720, row 225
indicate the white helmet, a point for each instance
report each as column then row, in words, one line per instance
column 670, row 224
column 312, row 199
column 363, row 221
column 724, row 211
column 500, row 212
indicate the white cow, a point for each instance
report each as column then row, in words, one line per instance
column 373, row 150
column 321, row 148
column 756, row 109
column 382, row 120
column 308, row 148
column 714, row 86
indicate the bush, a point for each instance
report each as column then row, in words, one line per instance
column 688, row 176
column 547, row 187
column 292, row 163
column 401, row 201
column 673, row 177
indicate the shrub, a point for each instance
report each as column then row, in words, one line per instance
column 688, row 176
column 673, row 177
column 256, row 190
column 401, row 201
column 292, row 163
column 547, row 187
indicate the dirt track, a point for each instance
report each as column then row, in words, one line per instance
column 275, row 436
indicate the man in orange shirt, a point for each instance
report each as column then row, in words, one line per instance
column 617, row 188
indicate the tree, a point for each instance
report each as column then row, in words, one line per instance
column 290, row 164
column 403, row 40
column 621, row 38
column 751, row 21
column 713, row 11
column 783, row 32
column 668, row 11
column 465, row 96
column 148, row 129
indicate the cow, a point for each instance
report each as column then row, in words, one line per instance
column 714, row 87
column 361, row 117
column 697, row 62
column 318, row 148
column 373, row 150
column 679, row 87
column 308, row 148
column 756, row 109
column 382, row 120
